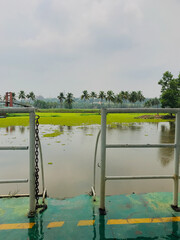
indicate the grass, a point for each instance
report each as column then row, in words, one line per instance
column 74, row 119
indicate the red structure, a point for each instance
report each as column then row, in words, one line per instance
column 8, row 99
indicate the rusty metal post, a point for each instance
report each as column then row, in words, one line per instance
column 10, row 99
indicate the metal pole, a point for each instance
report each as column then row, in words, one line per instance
column 103, row 162
column 32, row 207
column 95, row 154
column 176, row 158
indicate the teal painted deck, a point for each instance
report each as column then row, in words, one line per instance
column 69, row 212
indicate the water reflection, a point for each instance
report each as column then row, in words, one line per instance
column 125, row 126
column 167, row 134
column 37, row 232
column 10, row 129
column 71, row 156
column 22, row 129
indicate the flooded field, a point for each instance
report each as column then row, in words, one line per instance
column 68, row 154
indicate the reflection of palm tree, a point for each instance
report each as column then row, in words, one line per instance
column 21, row 129
column 69, row 100
column 61, row 128
column 61, row 98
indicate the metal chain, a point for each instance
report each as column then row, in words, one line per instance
column 42, row 206
column 37, row 159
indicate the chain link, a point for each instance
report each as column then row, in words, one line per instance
column 42, row 206
column 37, row 159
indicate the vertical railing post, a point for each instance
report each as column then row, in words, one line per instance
column 176, row 159
column 32, row 207
column 103, row 162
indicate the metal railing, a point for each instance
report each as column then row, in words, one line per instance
column 31, row 147
column 105, row 146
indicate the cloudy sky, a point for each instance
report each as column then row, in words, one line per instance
column 52, row 46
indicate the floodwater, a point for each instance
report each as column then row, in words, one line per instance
column 68, row 158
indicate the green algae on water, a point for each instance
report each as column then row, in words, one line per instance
column 53, row 134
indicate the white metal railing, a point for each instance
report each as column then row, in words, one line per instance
column 104, row 146
column 31, row 147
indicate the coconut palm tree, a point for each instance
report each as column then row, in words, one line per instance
column 13, row 96
column 140, row 96
column 31, row 96
column 85, row 95
column 61, row 98
column 133, row 97
column 118, row 98
column 102, row 96
column 93, row 95
column 110, row 96
column 69, row 100
column 22, row 95
column 125, row 95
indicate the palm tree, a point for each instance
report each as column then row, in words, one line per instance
column 102, row 96
column 125, row 95
column 110, row 96
column 69, row 99
column 118, row 98
column 133, row 97
column 155, row 101
column 85, row 95
column 13, row 96
column 148, row 103
column 140, row 96
column 93, row 95
column 61, row 98
column 31, row 96
column 22, row 95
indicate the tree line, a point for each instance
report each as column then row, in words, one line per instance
column 170, row 97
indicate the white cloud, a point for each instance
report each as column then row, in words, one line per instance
column 103, row 43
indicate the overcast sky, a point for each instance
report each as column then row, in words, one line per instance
column 52, row 46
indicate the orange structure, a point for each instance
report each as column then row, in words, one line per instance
column 8, row 99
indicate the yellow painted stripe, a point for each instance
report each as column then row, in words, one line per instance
column 55, row 224
column 143, row 220
column 16, row 226
column 86, row 223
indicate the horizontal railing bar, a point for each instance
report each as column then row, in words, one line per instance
column 142, row 110
column 140, row 145
column 14, row 181
column 18, row 195
column 139, row 177
column 14, row 148
column 17, row 110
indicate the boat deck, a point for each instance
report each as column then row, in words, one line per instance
column 135, row 216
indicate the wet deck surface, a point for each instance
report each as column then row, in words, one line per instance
column 146, row 216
